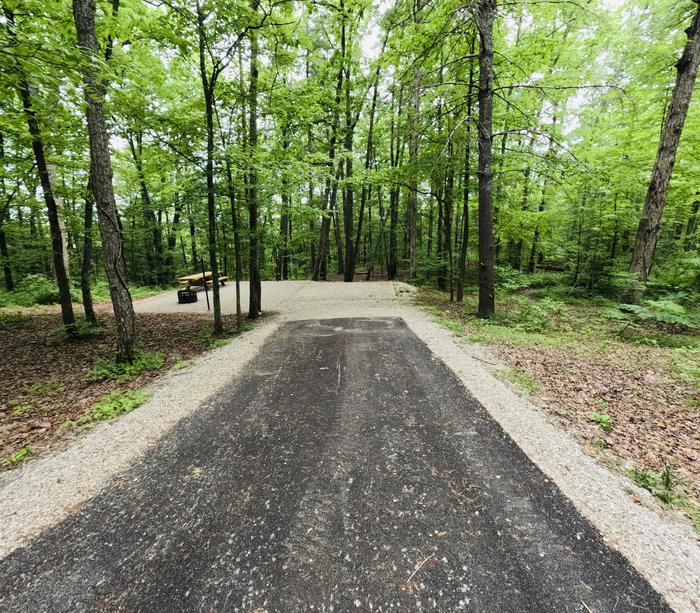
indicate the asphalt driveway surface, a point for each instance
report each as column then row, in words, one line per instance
column 345, row 470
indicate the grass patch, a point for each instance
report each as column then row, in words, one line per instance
column 105, row 370
column 17, row 457
column 180, row 364
column 522, row 381
column 666, row 485
column 21, row 409
column 603, row 420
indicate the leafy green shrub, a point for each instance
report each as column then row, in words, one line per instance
column 543, row 278
column 510, row 279
column 126, row 371
column 662, row 312
column 603, row 420
column 531, row 315
column 117, row 403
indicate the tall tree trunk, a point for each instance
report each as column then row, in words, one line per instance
column 368, row 154
column 154, row 244
column 255, row 290
column 101, row 178
column 348, row 191
column 169, row 272
column 330, row 194
column 209, row 85
column 486, row 11
column 691, row 227
column 394, row 154
column 39, row 150
column 649, row 224
column 412, row 202
column 5, row 255
column 449, row 197
column 61, row 207
column 282, row 267
column 86, row 263
column 4, row 214
column 467, row 182
column 236, row 239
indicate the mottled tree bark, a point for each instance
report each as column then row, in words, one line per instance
column 86, row 263
column 208, row 85
column 486, row 11
column 467, row 183
column 101, row 178
column 255, row 291
column 649, row 224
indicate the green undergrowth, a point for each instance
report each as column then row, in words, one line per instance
column 17, row 457
column 547, row 317
column 668, row 487
column 106, row 370
column 36, row 289
column 603, row 420
column 117, row 403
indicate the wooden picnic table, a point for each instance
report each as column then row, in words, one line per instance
column 200, row 279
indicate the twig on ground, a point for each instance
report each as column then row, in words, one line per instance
column 413, row 574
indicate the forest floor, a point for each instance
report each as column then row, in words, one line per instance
column 632, row 399
column 55, row 389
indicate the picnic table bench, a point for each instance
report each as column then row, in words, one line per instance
column 200, row 279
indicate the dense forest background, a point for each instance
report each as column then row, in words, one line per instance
column 339, row 139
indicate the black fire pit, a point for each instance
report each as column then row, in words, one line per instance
column 185, row 296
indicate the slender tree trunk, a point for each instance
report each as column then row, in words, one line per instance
column 691, row 227
column 169, row 273
column 649, row 224
column 61, row 207
column 412, row 202
column 236, row 239
column 282, row 268
column 330, row 196
column 449, row 197
column 368, row 154
column 209, row 85
column 467, row 183
column 394, row 194
column 101, row 178
column 255, row 290
column 155, row 242
column 44, row 177
column 486, row 11
column 86, row 263
column 348, row 191
column 4, row 214
column 5, row 255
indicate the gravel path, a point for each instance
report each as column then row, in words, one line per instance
column 50, row 489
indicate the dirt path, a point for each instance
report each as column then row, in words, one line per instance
column 345, row 469
column 442, row 446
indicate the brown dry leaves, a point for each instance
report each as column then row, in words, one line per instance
column 651, row 409
column 45, row 377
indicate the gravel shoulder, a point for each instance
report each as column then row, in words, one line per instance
column 48, row 490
